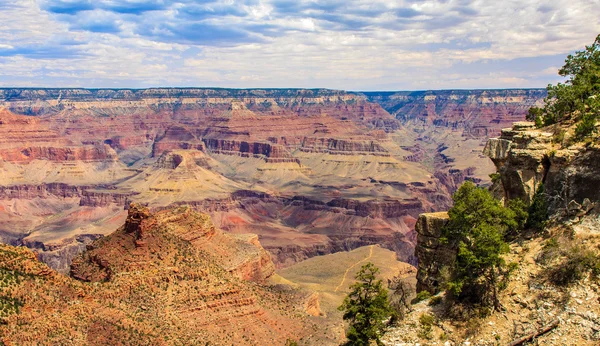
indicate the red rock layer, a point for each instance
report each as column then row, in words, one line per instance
column 158, row 287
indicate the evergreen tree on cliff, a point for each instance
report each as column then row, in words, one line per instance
column 578, row 96
column 477, row 226
column 366, row 307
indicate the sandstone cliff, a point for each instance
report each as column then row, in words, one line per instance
column 527, row 157
column 432, row 255
column 240, row 255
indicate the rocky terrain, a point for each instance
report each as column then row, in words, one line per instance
column 285, row 164
column 550, row 299
column 164, row 278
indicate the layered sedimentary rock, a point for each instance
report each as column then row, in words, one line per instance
column 161, row 282
column 241, row 255
column 477, row 113
column 310, row 171
column 450, row 127
column 527, row 157
column 433, row 255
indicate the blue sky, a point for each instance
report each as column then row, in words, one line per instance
column 341, row 44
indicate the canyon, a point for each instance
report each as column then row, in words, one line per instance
column 310, row 172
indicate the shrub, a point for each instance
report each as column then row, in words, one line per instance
column 578, row 261
column 495, row 177
column 587, row 126
column 559, row 136
column 437, row 300
column 421, row 296
column 426, row 322
column 550, row 251
column 401, row 291
column 538, row 211
column 520, row 210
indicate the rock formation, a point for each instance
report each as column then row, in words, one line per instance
column 432, row 255
column 527, row 157
column 476, row 113
column 71, row 161
column 169, row 277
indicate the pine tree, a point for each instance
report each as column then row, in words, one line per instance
column 366, row 307
column 477, row 227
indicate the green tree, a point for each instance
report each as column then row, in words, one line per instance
column 578, row 95
column 366, row 307
column 477, row 226
column 538, row 210
column 521, row 212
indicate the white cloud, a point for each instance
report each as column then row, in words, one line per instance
column 353, row 44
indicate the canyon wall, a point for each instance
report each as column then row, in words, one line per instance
column 309, row 171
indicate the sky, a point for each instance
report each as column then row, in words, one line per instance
column 339, row 44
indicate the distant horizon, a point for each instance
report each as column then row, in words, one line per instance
column 358, row 45
column 258, row 88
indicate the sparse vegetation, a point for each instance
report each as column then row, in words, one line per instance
column 290, row 342
column 495, row 177
column 426, row 322
column 437, row 300
column 559, row 136
column 401, row 291
column 366, row 307
column 576, row 262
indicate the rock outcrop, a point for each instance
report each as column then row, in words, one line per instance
column 432, row 255
column 521, row 156
column 241, row 255
column 526, row 157
column 161, row 281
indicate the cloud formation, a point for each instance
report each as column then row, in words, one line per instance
column 349, row 44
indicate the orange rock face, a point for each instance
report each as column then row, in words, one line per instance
column 163, row 280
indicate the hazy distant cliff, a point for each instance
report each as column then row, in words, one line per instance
column 481, row 113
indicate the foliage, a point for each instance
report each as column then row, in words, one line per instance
column 520, row 210
column 577, row 95
column 550, row 251
column 495, row 177
column 559, row 136
column 577, row 262
column 437, row 300
column 538, row 210
column 366, row 307
column 401, row 291
column 426, row 321
column 477, row 226
column 421, row 296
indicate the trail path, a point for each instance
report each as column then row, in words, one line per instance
column 354, row 265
